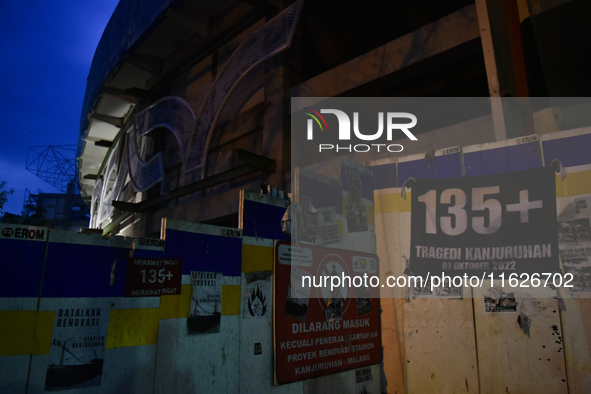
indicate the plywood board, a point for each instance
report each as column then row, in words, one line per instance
column 439, row 346
column 514, row 360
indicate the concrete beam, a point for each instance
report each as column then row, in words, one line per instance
column 112, row 120
column 432, row 39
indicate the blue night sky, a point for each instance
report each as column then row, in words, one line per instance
column 47, row 49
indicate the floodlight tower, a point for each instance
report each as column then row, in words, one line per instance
column 55, row 164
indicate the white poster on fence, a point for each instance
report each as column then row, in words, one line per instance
column 206, row 302
column 78, row 345
column 574, row 237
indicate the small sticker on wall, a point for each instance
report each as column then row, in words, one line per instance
column 256, row 297
column 363, row 380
